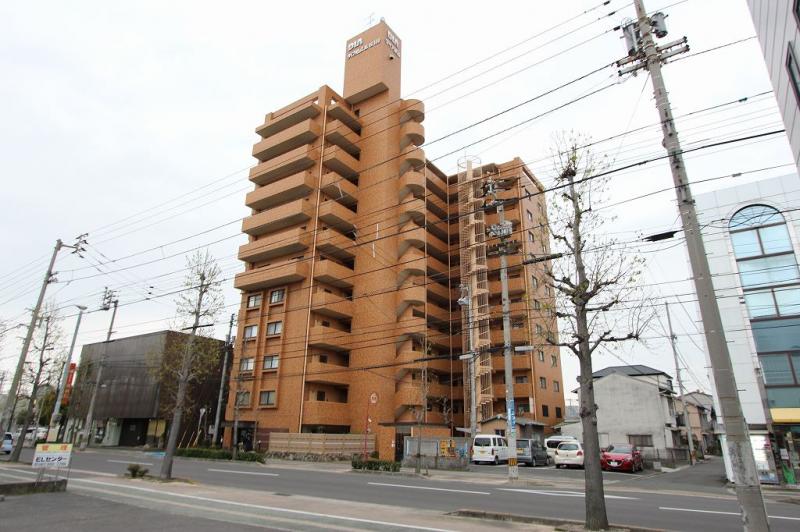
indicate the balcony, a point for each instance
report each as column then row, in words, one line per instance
column 290, row 188
column 412, row 110
column 519, row 361
column 410, row 235
column 273, row 125
column 337, row 216
column 412, row 262
column 439, row 314
column 276, row 245
column 443, row 365
column 277, row 218
column 411, row 133
column 334, row 244
column 437, row 206
column 412, row 209
column 516, row 285
column 273, row 275
column 407, row 357
column 411, row 323
column 436, row 245
column 339, row 134
column 518, row 336
column 325, row 373
column 412, row 158
column 328, row 338
column 339, row 189
column 289, row 139
column 287, row 164
column 441, row 294
column 325, row 413
column 438, row 269
column 332, row 305
column 410, row 295
column 411, row 183
column 340, row 112
column 408, row 394
column 334, row 274
column 341, row 162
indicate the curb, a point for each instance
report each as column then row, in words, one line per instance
column 389, row 473
column 559, row 524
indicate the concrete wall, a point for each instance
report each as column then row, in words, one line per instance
column 777, row 29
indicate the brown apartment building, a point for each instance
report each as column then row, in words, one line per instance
column 353, row 267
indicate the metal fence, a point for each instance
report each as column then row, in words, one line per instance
column 437, row 453
column 670, row 457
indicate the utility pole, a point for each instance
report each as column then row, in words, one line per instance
column 55, row 419
column 227, row 351
column 644, row 53
column 87, row 429
column 17, row 451
column 236, row 401
column 503, row 230
column 8, row 412
column 672, row 340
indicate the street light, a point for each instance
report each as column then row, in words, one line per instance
column 55, row 419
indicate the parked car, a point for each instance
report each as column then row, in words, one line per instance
column 553, row 442
column 532, row 453
column 569, row 453
column 622, row 457
column 8, row 443
column 489, row 448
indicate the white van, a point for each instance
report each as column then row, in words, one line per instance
column 489, row 448
column 551, row 444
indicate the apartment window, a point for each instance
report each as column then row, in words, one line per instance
column 539, row 329
column 792, row 67
column 542, row 383
column 553, row 361
column 254, row 301
column 558, row 412
column 274, row 327
column 537, row 305
column 534, row 282
column 243, row 398
column 518, row 324
column 530, row 215
column 320, row 395
column 271, row 362
column 530, row 237
column 521, row 379
column 250, row 332
column 323, row 359
column 545, row 411
column 556, row 386
column 247, row 364
column 541, row 355
column 523, row 408
column 276, row 296
column 641, row 440
column 267, row 398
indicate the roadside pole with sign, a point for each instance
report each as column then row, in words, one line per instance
column 51, row 457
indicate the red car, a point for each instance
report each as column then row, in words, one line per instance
column 622, row 457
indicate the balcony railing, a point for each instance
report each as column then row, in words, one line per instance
column 273, row 275
column 276, row 245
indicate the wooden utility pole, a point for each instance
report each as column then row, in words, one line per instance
column 672, row 340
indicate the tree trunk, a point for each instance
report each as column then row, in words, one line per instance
column 596, row 518
column 174, row 430
column 15, row 454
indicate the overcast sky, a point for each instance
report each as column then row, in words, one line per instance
column 134, row 122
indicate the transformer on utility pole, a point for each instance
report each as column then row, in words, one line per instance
column 646, row 55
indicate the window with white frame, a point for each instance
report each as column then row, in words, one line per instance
column 266, row 398
column 247, row 364
column 250, row 332
column 270, row 362
column 254, row 301
column 276, row 296
column 274, row 327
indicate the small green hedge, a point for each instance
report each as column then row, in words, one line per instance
column 375, row 465
column 219, row 454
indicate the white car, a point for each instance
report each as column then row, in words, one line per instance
column 8, row 443
column 489, row 448
column 569, row 453
column 552, row 443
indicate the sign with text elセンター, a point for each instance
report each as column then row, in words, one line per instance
column 52, row 455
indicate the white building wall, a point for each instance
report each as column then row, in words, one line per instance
column 778, row 28
column 625, row 406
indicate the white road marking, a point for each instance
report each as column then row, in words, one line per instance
column 128, row 462
column 258, row 506
column 723, row 513
column 565, row 493
column 427, row 488
column 244, row 472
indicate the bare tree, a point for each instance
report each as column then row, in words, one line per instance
column 595, row 276
column 198, row 306
column 41, row 370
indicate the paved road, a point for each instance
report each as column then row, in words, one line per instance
column 628, row 504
